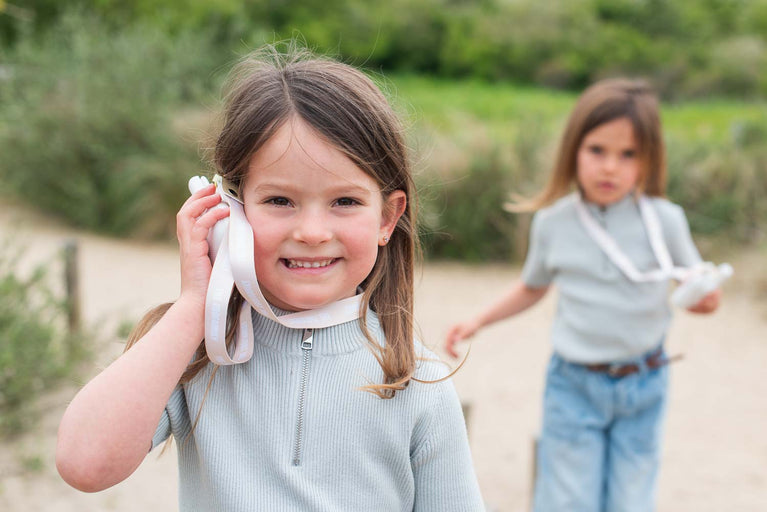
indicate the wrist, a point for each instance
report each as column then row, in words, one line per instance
column 191, row 301
column 190, row 309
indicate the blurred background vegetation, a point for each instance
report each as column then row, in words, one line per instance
column 106, row 106
column 37, row 347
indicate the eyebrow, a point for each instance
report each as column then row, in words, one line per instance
column 343, row 190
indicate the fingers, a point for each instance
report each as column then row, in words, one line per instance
column 450, row 348
column 456, row 334
column 449, row 344
column 200, row 212
column 208, row 219
column 707, row 304
column 194, row 221
column 198, row 202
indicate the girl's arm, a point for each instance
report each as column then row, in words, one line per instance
column 517, row 299
column 684, row 253
column 107, row 429
column 443, row 472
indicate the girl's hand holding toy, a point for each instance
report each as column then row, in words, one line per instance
column 193, row 222
column 696, row 292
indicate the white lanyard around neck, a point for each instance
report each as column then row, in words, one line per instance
column 610, row 247
column 234, row 266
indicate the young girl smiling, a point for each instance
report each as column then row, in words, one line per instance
column 334, row 417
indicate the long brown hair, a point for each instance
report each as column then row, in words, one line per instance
column 606, row 101
column 268, row 88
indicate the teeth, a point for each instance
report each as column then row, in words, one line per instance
column 308, row 264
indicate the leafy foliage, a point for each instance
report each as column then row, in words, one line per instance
column 465, row 219
column 723, row 188
column 85, row 122
column 685, row 46
column 92, row 103
column 36, row 351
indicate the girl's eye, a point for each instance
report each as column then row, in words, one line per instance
column 630, row 153
column 278, row 201
column 346, row 201
column 596, row 150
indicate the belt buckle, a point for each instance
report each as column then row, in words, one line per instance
column 614, row 370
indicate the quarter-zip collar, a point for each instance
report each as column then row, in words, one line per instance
column 626, row 204
column 337, row 339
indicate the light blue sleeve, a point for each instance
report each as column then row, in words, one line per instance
column 441, row 461
column 535, row 273
column 676, row 231
column 174, row 420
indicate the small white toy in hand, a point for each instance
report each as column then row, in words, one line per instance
column 703, row 279
column 216, row 233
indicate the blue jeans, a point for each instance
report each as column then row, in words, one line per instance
column 600, row 444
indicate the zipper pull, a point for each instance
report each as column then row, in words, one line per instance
column 602, row 216
column 307, row 339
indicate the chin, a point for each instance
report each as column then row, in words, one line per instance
column 303, row 304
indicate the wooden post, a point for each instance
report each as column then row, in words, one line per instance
column 534, row 469
column 72, row 282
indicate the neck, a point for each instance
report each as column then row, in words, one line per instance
column 632, row 195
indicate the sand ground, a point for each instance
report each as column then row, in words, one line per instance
column 715, row 454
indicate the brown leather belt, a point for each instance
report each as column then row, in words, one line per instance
column 651, row 362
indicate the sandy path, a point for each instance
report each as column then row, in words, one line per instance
column 715, row 455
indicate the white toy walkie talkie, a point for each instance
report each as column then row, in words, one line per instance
column 217, row 232
column 703, row 279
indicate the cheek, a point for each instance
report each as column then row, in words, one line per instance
column 633, row 174
column 582, row 168
column 266, row 235
column 361, row 242
column 583, row 162
column 362, row 237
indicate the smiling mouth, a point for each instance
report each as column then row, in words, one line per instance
column 290, row 263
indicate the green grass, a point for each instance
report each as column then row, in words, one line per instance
column 450, row 106
column 446, row 106
column 710, row 121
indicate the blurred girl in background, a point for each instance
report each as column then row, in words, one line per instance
column 611, row 248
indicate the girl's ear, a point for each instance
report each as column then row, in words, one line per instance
column 393, row 208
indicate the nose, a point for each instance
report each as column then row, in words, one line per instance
column 312, row 228
column 610, row 164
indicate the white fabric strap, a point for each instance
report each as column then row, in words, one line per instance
column 234, row 266
column 655, row 234
column 216, row 303
column 610, row 247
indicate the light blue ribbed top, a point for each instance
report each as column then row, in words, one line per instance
column 290, row 431
column 601, row 315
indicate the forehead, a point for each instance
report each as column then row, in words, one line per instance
column 618, row 132
column 297, row 153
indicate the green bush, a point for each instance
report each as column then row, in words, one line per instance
column 90, row 112
column 86, row 123
column 723, row 188
column 36, row 351
column 561, row 43
column 462, row 215
column 735, row 66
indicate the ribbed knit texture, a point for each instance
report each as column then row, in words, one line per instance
column 602, row 316
column 348, row 450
